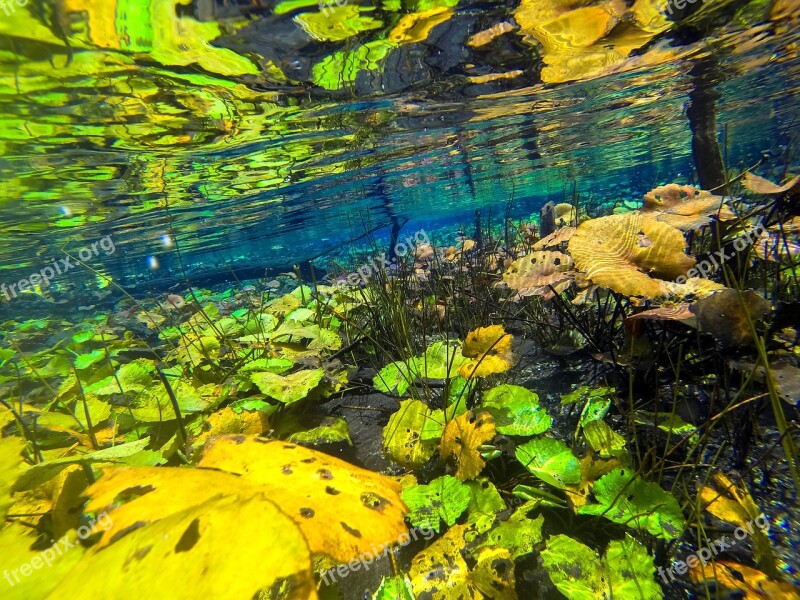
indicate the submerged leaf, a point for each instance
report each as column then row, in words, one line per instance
column 626, row 570
column 516, row 410
column 490, row 350
column 624, row 498
column 629, row 252
column 443, row 499
column 403, row 441
column 462, row 438
column 551, row 461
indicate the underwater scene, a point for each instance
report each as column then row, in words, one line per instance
column 399, row 299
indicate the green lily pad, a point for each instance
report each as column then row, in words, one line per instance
column 551, row 461
column 443, row 499
column 519, row 534
column 623, row 498
column 486, row 502
column 288, row 388
column 516, row 410
column 626, row 570
column 402, row 439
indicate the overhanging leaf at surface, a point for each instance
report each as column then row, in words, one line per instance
column 336, row 23
column 183, row 552
column 343, row 510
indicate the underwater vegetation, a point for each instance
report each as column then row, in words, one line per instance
column 190, row 437
column 598, row 400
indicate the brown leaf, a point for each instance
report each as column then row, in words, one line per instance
column 627, row 252
column 685, row 207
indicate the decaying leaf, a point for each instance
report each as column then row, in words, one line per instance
column 749, row 583
column 182, row 550
column 402, row 437
column 730, row 315
column 685, row 207
column 490, row 351
column 538, row 272
column 440, row 572
column 732, row 503
column 759, row 185
column 554, row 239
column 628, row 252
column 462, row 439
column 343, row 510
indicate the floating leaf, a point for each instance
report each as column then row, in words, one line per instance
column 550, row 460
column 443, row 499
column 462, row 438
column 516, row 410
column 626, row 570
column 624, row 498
